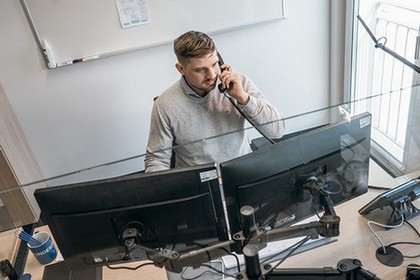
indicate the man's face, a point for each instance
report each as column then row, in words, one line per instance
column 201, row 73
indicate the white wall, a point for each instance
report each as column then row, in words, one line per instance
column 87, row 114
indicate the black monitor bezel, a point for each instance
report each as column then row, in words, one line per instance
column 60, row 204
column 299, row 153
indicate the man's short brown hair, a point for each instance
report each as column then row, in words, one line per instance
column 193, row 44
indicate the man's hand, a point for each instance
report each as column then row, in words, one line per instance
column 231, row 82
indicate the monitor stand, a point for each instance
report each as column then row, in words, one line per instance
column 60, row 271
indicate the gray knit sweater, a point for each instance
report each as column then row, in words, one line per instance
column 204, row 129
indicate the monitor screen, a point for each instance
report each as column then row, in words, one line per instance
column 119, row 219
column 399, row 199
column 282, row 182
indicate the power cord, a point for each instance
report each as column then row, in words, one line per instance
column 370, row 223
column 211, row 270
column 127, row 267
column 387, row 254
column 293, row 249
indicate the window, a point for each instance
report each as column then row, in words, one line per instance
column 388, row 86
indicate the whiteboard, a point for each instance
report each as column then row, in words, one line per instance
column 75, row 29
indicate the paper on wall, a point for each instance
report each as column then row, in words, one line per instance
column 133, row 12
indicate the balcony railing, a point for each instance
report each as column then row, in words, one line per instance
column 396, row 25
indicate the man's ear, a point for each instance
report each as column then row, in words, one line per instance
column 180, row 68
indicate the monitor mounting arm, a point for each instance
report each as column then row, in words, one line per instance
column 253, row 239
column 250, row 240
column 346, row 269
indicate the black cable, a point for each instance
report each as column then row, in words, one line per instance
column 288, row 248
column 219, row 271
column 379, row 188
column 127, row 267
column 216, row 271
column 414, row 206
column 406, row 243
column 297, row 245
column 248, row 119
column 238, row 265
column 224, row 250
column 418, row 233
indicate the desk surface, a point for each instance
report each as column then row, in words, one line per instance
column 355, row 241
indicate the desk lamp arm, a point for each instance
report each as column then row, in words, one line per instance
column 385, row 49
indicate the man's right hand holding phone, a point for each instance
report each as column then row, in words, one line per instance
column 231, row 82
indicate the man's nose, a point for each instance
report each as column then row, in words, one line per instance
column 213, row 73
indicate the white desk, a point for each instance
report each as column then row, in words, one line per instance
column 356, row 241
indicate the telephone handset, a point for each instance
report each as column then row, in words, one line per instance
column 222, row 89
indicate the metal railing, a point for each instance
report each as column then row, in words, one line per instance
column 387, row 79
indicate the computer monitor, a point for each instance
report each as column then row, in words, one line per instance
column 126, row 218
column 283, row 181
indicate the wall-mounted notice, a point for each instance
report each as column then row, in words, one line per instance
column 133, row 12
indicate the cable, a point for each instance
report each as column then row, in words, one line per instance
column 224, row 250
column 388, row 255
column 407, row 242
column 288, row 248
column 219, row 271
column 414, row 206
column 238, row 264
column 183, row 277
column 216, row 272
column 327, row 185
column 418, row 233
column 127, row 267
column 297, row 245
column 249, row 119
column 379, row 188
column 385, row 226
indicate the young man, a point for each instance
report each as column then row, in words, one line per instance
column 194, row 109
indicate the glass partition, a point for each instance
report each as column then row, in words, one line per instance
column 406, row 136
column 329, row 144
